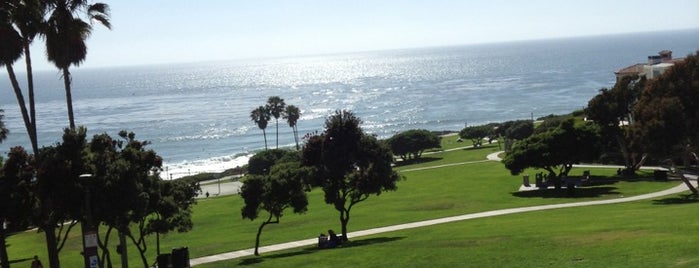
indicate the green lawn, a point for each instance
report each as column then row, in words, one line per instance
column 424, row 194
column 648, row 233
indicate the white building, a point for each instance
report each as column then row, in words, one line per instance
column 656, row 65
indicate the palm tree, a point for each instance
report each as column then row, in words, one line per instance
column 66, row 33
column 10, row 52
column 29, row 19
column 27, row 16
column 261, row 117
column 276, row 105
column 292, row 115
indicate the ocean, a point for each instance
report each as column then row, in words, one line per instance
column 197, row 115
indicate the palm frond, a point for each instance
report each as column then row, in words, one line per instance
column 102, row 19
column 100, row 12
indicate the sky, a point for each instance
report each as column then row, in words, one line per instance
column 173, row 31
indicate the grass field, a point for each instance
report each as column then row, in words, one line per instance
column 530, row 239
column 649, row 233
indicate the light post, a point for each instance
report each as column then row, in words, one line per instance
column 88, row 229
column 219, row 186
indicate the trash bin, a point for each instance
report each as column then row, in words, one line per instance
column 164, row 260
column 180, row 257
column 322, row 241
column 525, row 181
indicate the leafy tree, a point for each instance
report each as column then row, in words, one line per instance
column 549, row 122
column 512, row 131
column 58, row 171
column 282, row 188
column 413, row 142
column 612, row 111
column 519, row 130
column 261, row 117
column 16, row 196
column 127, row 171
column 66, row 33
column 292, row 115
column 476, row 134
column 667, row 112
column 171, row 210
column 349, row 165
column 275, row 106
column 261, row 163
column 121, row 171
column 555, row 150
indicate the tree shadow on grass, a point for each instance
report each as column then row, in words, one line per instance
column 567, row 193
column 473, row 148
column 677, row 200
column 20, row 260
column 309, row 250
column 417, row 161
column 370, row 241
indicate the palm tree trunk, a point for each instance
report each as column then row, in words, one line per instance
column 265, row 135
column 30, row 88
column 22, row 107
column 296, row 136
column 69, row 97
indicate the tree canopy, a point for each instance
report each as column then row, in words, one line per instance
column 348, row 165
column 667, row 112
column 261, row 163
column 261, row 117
column 413, row 142
column 276, row 107
column 281, row 186
column 555, row 150
column 58, row 172
column 611, row 110
column 476, row 134
column 17, row 200
column 123, row 169
column 513, row 130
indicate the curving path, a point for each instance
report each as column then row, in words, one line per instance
column 491, row 157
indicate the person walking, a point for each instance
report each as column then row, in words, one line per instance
column 36, row 263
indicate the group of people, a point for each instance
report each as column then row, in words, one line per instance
column 329, row 241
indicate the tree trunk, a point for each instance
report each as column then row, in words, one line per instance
column 296, row 136
column 259, row 232
column 30, row 89
column 124, row 255
column 104, row 245
column 141, row 249
column 264, row 134
column 277, row 121
column 689, row 184
column 22, row 107
column 344, row 219
column 52, row 245
column 69, row 97
column 4, row 259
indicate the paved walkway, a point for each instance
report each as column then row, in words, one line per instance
column 492, row 157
